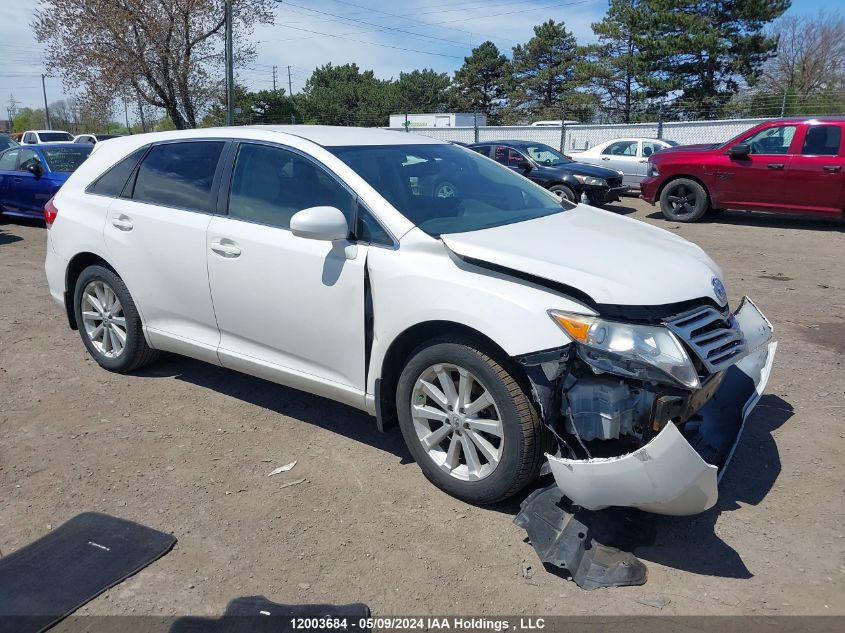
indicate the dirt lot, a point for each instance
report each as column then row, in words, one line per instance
column 185, row 447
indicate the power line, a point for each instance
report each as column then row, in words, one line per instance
column 400, row 48
column 378, row 26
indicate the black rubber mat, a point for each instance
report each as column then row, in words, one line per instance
column 257, row 614
column 47, row 580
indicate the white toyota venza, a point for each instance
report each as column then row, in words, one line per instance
column 506, row 331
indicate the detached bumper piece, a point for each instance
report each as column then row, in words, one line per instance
column 677, row 472
column 586, row 546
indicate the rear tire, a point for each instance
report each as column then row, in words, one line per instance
column 108, row 321
column 481, row 454
column 684, row 200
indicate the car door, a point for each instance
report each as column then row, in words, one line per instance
column 155, row 235
column 816, row 175
column 8, row 163
column 289, row 309
column 622, row 156
column 26, row 186
column 513, row 158
column 755, row 181
column 647, row 149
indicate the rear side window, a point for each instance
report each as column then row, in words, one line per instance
column 822, row 140
column 112, row 182
column 179, row 175
column 66, row 159
column 622, row 148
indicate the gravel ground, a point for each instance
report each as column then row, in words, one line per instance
column 185, row 447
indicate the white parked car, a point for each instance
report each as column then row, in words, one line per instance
column 93, row 139
column 628, row 155
column 496, row 324
column 33, row 137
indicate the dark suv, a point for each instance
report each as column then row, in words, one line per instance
column 792, row 165
column 558, row 173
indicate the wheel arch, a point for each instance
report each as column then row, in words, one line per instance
column 675, row 177
column 400, row 349
column 76, row 265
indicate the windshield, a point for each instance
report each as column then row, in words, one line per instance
column 546, row 155
column 65, row 158
column 448, row 189
column 6, row 142
column 52, row 137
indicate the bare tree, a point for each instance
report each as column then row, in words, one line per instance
column 168, row 52
column 810, row 55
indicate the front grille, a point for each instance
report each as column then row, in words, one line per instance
column 614, row 182
column 714, row 336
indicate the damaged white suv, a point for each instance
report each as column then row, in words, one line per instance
column 419, row 281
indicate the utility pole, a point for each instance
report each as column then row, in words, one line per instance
column 274, row 79
column 230, row 80
column 46, row 110
column 562, row 126
column 783, row 104
column 126, row 114
column 290, row 88
column 141, row 112
column 660, row 120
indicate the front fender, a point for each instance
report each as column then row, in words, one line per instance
column 423, row 281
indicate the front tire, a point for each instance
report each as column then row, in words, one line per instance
column 684, row 200
column 467, row 422
column 564, row 192
column 108, row 321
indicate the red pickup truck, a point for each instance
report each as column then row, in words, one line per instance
column 792, row 165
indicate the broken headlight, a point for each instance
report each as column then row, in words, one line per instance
column 645, row 352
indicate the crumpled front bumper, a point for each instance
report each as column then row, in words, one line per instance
column 677, row 473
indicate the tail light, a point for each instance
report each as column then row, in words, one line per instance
column 50, row 212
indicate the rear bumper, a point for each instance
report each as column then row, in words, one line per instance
column 677, row 472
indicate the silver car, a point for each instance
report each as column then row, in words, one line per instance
column 628, row 155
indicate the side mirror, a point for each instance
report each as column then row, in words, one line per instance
column 320, row 223
column 740, row 150
column 524, row 165
column 36, row 169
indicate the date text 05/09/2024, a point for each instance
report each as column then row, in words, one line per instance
column 455, row 623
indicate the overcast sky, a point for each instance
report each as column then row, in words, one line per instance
column 387, row 36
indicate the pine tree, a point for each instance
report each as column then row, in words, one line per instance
column 478, row 85
column 543, row 72
column 614, row 65
column 706, row 48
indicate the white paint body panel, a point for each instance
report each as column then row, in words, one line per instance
column 665, row 476
column 289, row 302
column 614, row 259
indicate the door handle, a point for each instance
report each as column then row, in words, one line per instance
column 605, row 158
column 775, row 165
column 645, row 160
column 833, row 168
column 17, row 179
column 226, row 248
column 122, row 222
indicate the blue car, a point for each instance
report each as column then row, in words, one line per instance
column 31, row 175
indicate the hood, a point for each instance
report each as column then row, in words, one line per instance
column 583, row 169
column 611, row 258
column 699, row 147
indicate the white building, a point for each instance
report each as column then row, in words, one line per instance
column 445, row 119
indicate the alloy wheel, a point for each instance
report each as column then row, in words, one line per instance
column 103, row 319
column 683, row 200
column 457, row 422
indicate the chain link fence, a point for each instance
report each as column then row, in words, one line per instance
column 574, row 138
